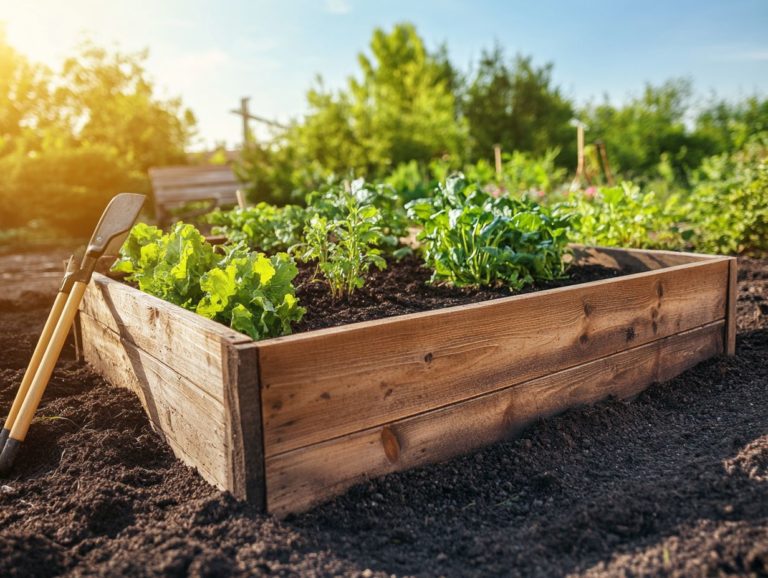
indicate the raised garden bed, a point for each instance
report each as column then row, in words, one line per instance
column 291, row 421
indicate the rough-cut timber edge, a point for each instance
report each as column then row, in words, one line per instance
column 287, row 423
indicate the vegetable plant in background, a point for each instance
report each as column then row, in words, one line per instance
column 336, row 203
column 729, row 202
column 472, row 238
column 264, row 227
column 624, row 216
column 344, row 245
column 245, row 290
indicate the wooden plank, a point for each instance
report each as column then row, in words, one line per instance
column 301, row 478
column 635, row 260
column 182, row 176
column 192, row 421
column 336, row 381
column 243, row 410
column 197, row 193
column 733, row 295
column 184, row 341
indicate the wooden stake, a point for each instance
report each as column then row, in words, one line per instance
column 497, row 158
column 240, row 198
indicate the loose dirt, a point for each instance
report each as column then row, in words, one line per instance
column 673, row 483
column 404, row 287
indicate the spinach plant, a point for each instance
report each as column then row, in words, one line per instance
column 245, row 290
column 470, row 237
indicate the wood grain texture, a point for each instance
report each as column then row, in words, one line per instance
column 192, row 420
column 733, row 295
column 189, row 344
column 635, row 260
column 243, row 416
column 333, row 382
column 298, row 479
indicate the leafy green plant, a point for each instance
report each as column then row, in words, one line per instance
column 264, row 227
column 245, row 290
column 470, row 237
column 336, row 203
column 345, row 246
column 729, row 203
column 624, row 216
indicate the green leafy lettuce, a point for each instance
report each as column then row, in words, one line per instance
column 245, row 290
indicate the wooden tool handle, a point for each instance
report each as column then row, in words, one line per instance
column 34, row 363
column 42, row 376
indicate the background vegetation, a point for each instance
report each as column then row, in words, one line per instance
column 407, row 118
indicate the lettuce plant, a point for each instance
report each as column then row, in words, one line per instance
column 245, row 290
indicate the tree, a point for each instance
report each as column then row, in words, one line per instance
column 515, row 104
column 23, row 94
column 401, row 108
column 646, row 128
column 727, row 126
column 71, row 140
column 107, row 99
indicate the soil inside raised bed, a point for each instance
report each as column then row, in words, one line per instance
column 404, row 287
column 674, row 483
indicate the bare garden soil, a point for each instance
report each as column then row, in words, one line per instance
column 673, row 483
column 404, row 287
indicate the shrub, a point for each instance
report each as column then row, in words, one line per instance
column 624, row 216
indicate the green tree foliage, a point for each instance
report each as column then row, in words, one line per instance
column 70, row 140
column 23, row 92
column 638, row 133
column 402, row 107
column 107, row 99
column 727, row 126
column 515, row 104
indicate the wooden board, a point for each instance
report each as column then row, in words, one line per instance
column 733, row 295
column 192, row 419
column 635, row 260
column 189, row 344
column 333, row 382
column 298, row 479
column 177, row 186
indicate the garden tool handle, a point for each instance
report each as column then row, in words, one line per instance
column 41, row 378
column 34, row 363
column 42, row 344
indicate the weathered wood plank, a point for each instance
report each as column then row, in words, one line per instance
column 193, row 422
column 733, row 295
column 184, row 341
column 301, row 478
column 182, row 176
column 224, row 193
column 243, row 413
column 635, row 260
column 333, row 382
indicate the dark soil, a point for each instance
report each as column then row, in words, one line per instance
column 673, row 483
column 404, row 287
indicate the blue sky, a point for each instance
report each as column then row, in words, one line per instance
column 212, row 53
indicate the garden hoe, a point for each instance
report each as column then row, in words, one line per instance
column 110, row 233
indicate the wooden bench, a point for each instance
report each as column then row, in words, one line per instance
column 175, row 187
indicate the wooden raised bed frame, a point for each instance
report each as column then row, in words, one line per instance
column 289, row 422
